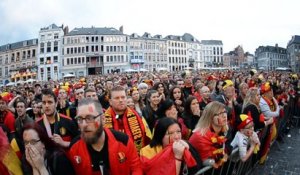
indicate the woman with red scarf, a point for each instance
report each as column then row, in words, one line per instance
column 167, row 153
column 209, row 135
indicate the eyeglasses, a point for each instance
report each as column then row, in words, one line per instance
column 88, row 118
column 223, row 113
column 32, row 142
column 173, row 133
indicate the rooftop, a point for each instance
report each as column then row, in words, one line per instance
column 20, row 44
column 211, row 42
column 95, row 31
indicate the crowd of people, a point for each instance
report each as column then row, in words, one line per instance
column 142, row 123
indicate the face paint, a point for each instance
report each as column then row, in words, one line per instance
column 91, row 109
column 219, row 121
column 96, row 124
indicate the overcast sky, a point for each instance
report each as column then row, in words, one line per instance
column 249, row 23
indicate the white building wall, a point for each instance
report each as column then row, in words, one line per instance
column 177, row 55
column 49, row 58
column 212, row 54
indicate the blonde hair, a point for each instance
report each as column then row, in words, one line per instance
column 249, row 98
column 206, row 119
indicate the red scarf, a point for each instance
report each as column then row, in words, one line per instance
column 132, row 125
column 166, row 157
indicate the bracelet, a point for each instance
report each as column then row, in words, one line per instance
column 178, row 159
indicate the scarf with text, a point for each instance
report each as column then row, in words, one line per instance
column 132, row 125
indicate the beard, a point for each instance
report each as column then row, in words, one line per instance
column 94, row 138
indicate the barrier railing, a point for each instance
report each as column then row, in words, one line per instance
column 234, row 166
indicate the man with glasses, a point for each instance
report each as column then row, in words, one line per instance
column 100, row 150
column 60, row 128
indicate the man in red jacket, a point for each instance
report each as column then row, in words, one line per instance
column 100, row 150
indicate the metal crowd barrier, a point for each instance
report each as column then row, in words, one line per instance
column 234, row 166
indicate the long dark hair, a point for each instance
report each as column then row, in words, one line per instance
column 187, row 105
column 52, row 149
column 50, row 145
column 166, row 91
column 161, row 129
column 171, row 93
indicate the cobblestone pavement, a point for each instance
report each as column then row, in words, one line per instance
column 283, row 161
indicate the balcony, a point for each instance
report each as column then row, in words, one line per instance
column 94, row 64
column 137, row 61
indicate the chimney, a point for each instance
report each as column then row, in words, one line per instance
column 276, row 45
column 121, row 29
column 66, row 30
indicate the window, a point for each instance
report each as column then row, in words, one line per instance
column 33, row 53
column 42, row 45
column 71, row 60
column 79, row 60
column 55, row 49
column 68, row 50
column 87, row 48
column 28, row 54
column 55, row 59
column 48, row 60
column 49, row 47
column 55, row 35
column 6, row 71
column 68, row 61
column 42, row 60
column 33, row 63
column 75, row 60
column 82, row 59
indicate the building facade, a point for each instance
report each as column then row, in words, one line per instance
column 155, row 52
column 293, row 51
column 93, row 51
column 194, row 51
column 177, row 53
column 50, row 55
column 270, row 57
column 18, row 62
column 212, row 53
column 236, row 59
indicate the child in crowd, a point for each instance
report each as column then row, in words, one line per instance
column 245, row 137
